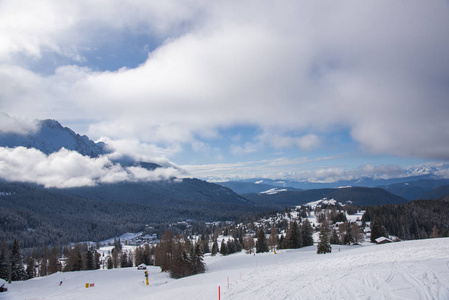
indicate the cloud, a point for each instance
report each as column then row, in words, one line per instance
column 378, row 70
column 66, row 169
column 10, row 124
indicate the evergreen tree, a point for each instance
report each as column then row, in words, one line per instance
column 348, row 238
column 109, row 264
column 17, row 270
column 377, row 230
column 214, row 248
column 223, row 248
column 335, row 240
column 30, row 267
column 124, row 260
column 4, row 262
column 43, row 270
column 293, row 239
column 53, row 261
column 198, row 265
column 307, row 234
column 324, row 246
column 206, row 248
column 261, row 244
column 90, row 260
column 231, row 246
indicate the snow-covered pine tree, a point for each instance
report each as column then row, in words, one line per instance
column 17, row 269
column 324, row 246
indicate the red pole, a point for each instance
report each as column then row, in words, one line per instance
column 228, row 282
column 218, row 292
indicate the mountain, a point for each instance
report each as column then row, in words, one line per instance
column 37, row 216
column 413, row 190
column 50, row 137
column 359, row 196
column 305, row 185
column 241, row 187
column 439, row 192
column 365, row 196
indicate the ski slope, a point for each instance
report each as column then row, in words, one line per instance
column 404, row 270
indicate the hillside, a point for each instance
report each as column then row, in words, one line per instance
column 406, row 270
column 413, row 190
column 38, row 216
column 437, row 193
column 359, row 196
column 241, row 187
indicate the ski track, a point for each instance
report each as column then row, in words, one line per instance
column 397, row 276
column 399, row 271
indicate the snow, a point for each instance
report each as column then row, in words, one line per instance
column 320, row 202
column 273, row 191
column 404, row 270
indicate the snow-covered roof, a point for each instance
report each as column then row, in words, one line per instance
column 383, row 239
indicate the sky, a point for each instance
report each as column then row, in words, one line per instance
column 305, row 90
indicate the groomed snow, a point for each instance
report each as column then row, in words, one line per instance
column 404, row 270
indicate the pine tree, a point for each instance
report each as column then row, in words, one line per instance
column 17, row 270
column 307, row 234
column 4, row 262
column 324, row 246
column 109, row 264
column 261, row 244
column 214, row 248
column 53, row 261
column 348, row 238
column 377, row 230
column 335, row 240
column 30, row 267
column 90, row 260
column 223, row 248
column 293, row 239
column 198, row 265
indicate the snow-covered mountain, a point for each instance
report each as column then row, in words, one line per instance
column 50, row 136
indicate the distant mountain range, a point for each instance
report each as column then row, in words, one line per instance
column 410, row 188
column 359, row 196
column 40, row 215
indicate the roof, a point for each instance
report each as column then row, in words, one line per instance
column 383, row 239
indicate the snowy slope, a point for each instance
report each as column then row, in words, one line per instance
column 405, row 270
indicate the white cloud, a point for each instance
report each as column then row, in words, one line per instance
column 378, row 69
column 15, row 125
column 66, row 169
